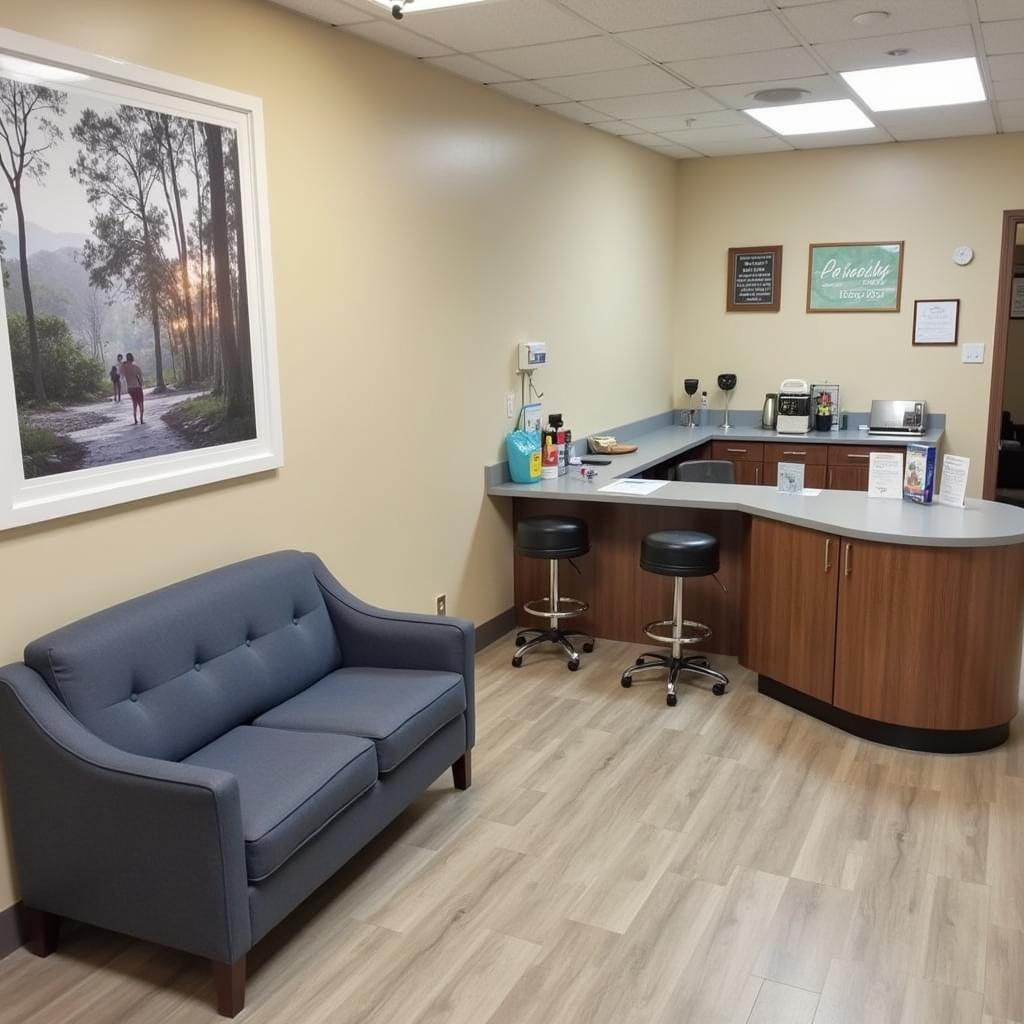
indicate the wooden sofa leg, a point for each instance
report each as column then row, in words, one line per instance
column 42, row 931
column 462, row 771
column 229, row 981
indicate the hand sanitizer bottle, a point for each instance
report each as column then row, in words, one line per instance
column 702, row 415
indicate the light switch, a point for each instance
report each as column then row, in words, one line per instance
column 510, row 404
column 973, row 352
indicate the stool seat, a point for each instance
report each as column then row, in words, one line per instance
column 552, row 537
column 679, row 553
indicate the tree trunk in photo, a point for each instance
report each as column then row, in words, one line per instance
column 154, row 302
column 244, row 346
column 234, row 392
column 38, row 388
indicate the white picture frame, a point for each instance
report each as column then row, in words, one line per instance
column 30, row 500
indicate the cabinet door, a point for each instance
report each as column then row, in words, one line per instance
column 929, row 637
column 847, row 478
column 749, row 472
column 790, row 628
column 814, row 476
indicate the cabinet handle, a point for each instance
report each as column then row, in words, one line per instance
column 852, row 455
column 737, row 451
column 847, row 568
column 830, row 478
column 757, row 473
column 828, row 551
column 794, row 453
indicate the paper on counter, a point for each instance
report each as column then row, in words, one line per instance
column 954, row 480
column 885, row 476
column 629, row 486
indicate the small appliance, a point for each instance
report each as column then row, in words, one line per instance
column 794, row 407
column 770, row 411
column 900, row 417
column 727, row 381
column 690, row 386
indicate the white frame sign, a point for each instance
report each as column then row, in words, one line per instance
column 103, row 80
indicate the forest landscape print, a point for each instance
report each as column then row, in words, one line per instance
column 124, row 281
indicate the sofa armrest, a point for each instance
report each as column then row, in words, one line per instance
column 378, row 638
column 150, row 848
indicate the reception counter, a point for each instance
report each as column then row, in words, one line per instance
column 898, row 622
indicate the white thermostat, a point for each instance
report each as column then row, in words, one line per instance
column 962, row 255
column 532, row 355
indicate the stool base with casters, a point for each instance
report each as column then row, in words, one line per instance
column 554, row 608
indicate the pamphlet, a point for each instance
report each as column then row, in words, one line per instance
column 791, row 477
column 532, row 417
column 919, row 476
column 954, row 480
column 630, row 486
column 885, row 475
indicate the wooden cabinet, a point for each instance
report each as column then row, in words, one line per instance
column 848, row 465
column 929, row 637
column 790, row 628
column 846, row 478
column 747, row 459
column 749, row 472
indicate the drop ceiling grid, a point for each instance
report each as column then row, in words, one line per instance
column 673, row 74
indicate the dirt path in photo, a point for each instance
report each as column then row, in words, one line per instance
column 118, row 439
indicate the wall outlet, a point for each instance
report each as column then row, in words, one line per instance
column 973, row 352
column 510, row 404
column 442, row 604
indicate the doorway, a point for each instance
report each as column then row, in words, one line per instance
column 1004, row 446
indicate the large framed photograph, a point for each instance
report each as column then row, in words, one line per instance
column 854, row 277
column 137, row 345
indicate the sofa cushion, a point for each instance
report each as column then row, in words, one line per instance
column 291, row 784
column 399, row 709
column 164, row 674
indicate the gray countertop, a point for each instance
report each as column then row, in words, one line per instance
column 846, row 513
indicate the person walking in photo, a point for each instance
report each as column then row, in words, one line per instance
column 133, row 381
column 115, row 380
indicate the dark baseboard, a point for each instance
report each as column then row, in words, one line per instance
column 931, row 741
column 12, row 934
column 494, row 629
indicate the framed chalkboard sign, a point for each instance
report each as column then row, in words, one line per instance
column 755, row 276
column 855, row 277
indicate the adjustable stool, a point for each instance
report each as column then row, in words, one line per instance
column 552, row 538
column 680, row 554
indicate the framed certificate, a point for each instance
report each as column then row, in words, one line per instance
column 936, row 321
column 1017, row 299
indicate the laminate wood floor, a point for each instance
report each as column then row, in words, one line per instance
column 727, row 861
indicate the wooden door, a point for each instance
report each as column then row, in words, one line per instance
column 929, row 637
column 790, row 605
column 847, row 478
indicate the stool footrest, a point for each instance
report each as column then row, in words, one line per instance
column 566, row 608
column 692, row 632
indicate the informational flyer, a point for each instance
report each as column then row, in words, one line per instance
column 954, row 480
column 791, row 477
column 885, row 475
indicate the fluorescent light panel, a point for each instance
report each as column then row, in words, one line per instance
column 427, row 5
column 939, row 83
column 812, row 118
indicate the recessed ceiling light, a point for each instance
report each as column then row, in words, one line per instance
column 812, row 118
column 780, row 95
column 414, row 6
column 871, row 17
column 938, row 83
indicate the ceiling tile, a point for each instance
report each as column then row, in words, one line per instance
column 614, row 127
column 620, row 82
column 528, row 92
column 998, row 10
column 616, row 16
column 744, row 33
column 1006, row 67
column 578, row 56
column 683, row 122
column 790, row 62
column 832, row 22
column 660, row 104
column 333, row 12
column 938, row 122
column 1011, row 89
column 933, row 44
column 863, row 137
column 695, row 138
column 819, row 87
column 470, row 67
column 1004, row 36
column 739, row 147
column 394, row 36
column 574, row 111
column 1011, row 109
column 493, row 25
column 679, row 152
column 1015, row 124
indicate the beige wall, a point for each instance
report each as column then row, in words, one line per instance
column 421, row 226
column 933, row 195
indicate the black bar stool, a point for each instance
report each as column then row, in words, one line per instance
column 680, row 554
column 552, row 538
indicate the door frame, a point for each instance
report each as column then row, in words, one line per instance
column 1011, row 218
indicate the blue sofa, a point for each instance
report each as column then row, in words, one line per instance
column 188, row 766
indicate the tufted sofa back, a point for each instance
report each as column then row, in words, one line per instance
column 165, row 674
